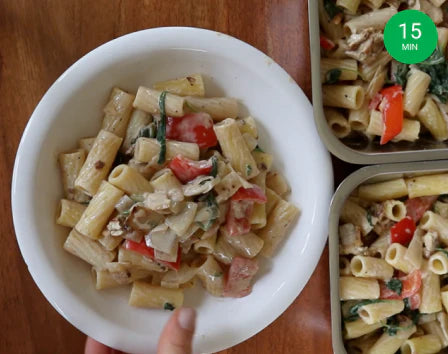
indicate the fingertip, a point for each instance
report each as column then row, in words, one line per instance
column 187, row 318
column 94, row 347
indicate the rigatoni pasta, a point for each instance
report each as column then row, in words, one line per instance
column 380, row 97
column 395, row 287
column 166, row 196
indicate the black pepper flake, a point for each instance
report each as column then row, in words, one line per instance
column 191, row 80
column 99, row 165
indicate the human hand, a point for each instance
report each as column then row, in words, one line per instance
column 176, row 337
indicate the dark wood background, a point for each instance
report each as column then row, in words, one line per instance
column 39, row 40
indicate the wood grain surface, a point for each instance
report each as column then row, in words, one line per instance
column 39, row 39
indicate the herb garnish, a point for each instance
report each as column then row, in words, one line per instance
column 332, row 76
column 248, row 170
column 331, row 9
column 148, row 131
column 168, row 306
column 126, row 213
column 400, row 75
column 369, row 217
column 392, row 326
column 204, row 181
column 258, row 149
column 218, row 274
column 353, row 311
column 213, row 208
column 437, row 67
column 214, row 171
column 444, row 251
column 161, row 130
column 395, row 285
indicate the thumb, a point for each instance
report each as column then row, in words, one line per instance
column 177, row 336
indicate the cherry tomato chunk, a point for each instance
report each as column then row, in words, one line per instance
column 192, row 128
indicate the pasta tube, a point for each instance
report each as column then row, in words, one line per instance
column 380, row 311
column 429, row 115
column 98, row 163
column 88, row 250
column 382, row 191
column 370, row 267
column 219, row 108
column 416, row 87
column 148, row 149
column 427, row 344
column 351, row 288
column 70, row 164
column 148, row 100
column 279, row 221
column 343, row 96
column 117, row 112
column 147, row 295
column 427, row 185
column 191, row 85
column 95, row 217
column 129, row 180
column 69, row 213
column 235, row 149
column 338, row 124
column 138, row 121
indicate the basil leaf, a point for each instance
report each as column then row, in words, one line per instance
column 436, row 66
column 369, row 218
column 161, row 131
column 248, row 170
column 168, row 306
column 353, row 311
column 401, row 74
column 331, row 9
column 332, row 76
column 444, row 251
column 395, row 285
column 214, row 171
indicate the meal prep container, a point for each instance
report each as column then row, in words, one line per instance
column 354, row 151
column 370, row 174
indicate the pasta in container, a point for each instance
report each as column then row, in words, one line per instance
column 370, row 99
column 394, row 269
column 173, row 191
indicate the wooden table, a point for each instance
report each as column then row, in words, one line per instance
column 40, row 39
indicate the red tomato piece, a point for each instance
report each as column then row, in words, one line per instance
column 192, row 128
column 148, row 252
column 238, row 216
column 392, row 112
column 239, row 278
column 416, row 207
column 255, row 194
column 187, row 170
column 411, row 285
column 326, row 43
column 403, row 231
column 415, row 301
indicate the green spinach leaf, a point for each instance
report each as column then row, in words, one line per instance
column 161, row 131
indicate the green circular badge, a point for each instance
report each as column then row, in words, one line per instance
column 410, row 36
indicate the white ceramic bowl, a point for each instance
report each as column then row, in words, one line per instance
column 71, row 109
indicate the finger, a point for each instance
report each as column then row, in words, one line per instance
column 177, row 336
column 94, row 347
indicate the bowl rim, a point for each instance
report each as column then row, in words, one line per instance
column 29, row 138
